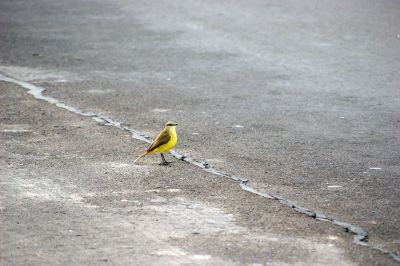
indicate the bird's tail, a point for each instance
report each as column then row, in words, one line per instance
column 140, row 157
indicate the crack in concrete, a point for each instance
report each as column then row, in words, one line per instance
column 360, row 235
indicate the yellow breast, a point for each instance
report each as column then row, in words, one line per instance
column 170, row 144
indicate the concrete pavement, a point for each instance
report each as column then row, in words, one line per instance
column 299, row 98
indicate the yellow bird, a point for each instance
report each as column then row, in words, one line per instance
column 165, row 141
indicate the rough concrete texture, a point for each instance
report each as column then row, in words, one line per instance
column 301, row 98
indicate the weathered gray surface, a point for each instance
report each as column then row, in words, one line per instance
column 302, row 98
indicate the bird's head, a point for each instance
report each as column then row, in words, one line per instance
column 170, row 124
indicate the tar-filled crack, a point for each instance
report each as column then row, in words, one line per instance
column 360, row 235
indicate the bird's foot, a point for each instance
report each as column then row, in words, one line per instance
column 164, row 163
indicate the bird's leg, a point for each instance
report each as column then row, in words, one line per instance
column 164, row 162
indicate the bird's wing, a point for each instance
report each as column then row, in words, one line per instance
column 161, row 139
